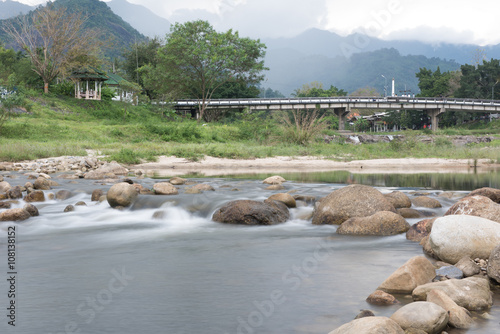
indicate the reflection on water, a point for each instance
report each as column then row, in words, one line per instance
column 443, row 181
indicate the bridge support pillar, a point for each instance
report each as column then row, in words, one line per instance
column 433, row 114
column 341, row 113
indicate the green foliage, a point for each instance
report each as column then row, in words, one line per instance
column 197, row 61
column 65, row 88
column 126, row 156
column 301, row 126
column 362, row 125
column 315, row 89
column 433, row 84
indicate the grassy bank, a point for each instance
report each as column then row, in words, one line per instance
column 65, row 126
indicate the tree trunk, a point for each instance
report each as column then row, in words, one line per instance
column 46, row 87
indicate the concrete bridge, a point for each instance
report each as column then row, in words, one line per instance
column 343, row 105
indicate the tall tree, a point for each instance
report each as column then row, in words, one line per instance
column 54, row 41
column 315, row 89
column 196, row 61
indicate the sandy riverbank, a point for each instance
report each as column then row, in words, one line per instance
column 210, row 166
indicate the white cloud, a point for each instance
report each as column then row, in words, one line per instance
column 457, row 20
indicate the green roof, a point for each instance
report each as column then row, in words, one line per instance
column 90, row 73
column 114, row 79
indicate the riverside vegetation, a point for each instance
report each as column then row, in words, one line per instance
column 51, row 125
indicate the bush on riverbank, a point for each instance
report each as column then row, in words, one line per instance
column 64, row 126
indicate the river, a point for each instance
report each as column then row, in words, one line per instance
column 100, row 270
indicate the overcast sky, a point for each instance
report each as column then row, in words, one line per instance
column 455, row 21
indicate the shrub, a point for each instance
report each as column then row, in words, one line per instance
column 300, row 126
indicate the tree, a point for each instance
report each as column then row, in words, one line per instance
column 196, row 61
column 54, row 41
column 315, row 89
column 433, row 84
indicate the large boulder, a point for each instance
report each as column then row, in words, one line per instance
column 165, row 188
column 4, row 186
column 493, row 268
column 348, row 202
column 121, row 195
column 380, row 223
column 453, row 237
column 372, row 325
column 476, row 206
column 14, row 215
column 398, row 199
column 473, row 293
column 460, row 317
column 35, row 196
column 15, row 193
column 491, row 193
column 177, row 181
column 416, row 271
column 248, row 212
column 426, row 316
column 426, row 202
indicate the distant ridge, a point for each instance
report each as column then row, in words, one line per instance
column 11, row 8
column 141, row 18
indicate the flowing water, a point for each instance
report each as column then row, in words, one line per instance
column 100, row 270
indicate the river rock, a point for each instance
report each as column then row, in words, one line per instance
column 276, row 179
column 420, row 230
column 165, row 188
column 460, row 317
column 348, row 202
column 410, row 213
column 5, row 205
column 14, row 215
column 468, row 266
column 372, row 325
column 305, row 198
column 493, row 267
column 31, row 209
column 107, row 171
column 364, row 314
column 15, row 193
column 473, row 293
column 453, row 237
column 96, row 194
column 121, row 195
column 4, row 186
column 448, row 272
column 476, row 206
column 69, row 208
column 491, row 193
column 202, row 187
column 285, row 198
column 380, row 223
column 380, row 297
column 35, row 196
column 416, row 271
column 426, row 202
column 63, row 194
column 41, row 183
column 398, row 199
column 275, row 187
column 426, row 316
column 177, row 181
column 248, row 212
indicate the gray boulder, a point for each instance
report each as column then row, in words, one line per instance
column 426, row 316
column 121, row 195
column 380, row 223
column 448, row 272
column 460, row 317
column 468, row 266
column 372, row 325
column 453, row 237
column 348, row 202
column 473, row 293
column 476, row 206
column 248, row 212
column 416, row 271
column 493, row 268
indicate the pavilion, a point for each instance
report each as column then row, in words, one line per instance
column 88, row 83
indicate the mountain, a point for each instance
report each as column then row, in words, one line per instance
column 357, row 61
column 11, row 8
column 141, row 18
column 119, row 33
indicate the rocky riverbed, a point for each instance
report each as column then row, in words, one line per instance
column 451, row 286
